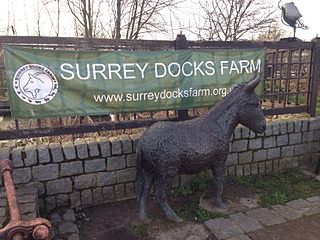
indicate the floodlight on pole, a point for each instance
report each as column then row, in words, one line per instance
column 291, row 16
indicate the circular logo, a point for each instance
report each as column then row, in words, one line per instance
column 35, row 84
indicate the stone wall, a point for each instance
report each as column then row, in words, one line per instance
column 285, row 144
column 84, row 173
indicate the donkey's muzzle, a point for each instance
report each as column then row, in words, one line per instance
column 261, row 128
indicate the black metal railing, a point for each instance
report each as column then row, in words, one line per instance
column 290, row 83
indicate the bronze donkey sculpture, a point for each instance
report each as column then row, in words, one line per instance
column 189, row 147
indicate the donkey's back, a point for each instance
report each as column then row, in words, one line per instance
column 187, row 146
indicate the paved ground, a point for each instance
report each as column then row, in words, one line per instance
column 307, row 228
column 296, row 220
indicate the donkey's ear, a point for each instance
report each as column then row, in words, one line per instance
column 252, row 84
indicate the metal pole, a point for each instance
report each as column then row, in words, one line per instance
column 180, row 44
column 6, row 170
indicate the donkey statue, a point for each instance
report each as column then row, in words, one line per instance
column 189, row 147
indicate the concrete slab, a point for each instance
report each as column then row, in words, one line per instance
column 246, row 223
column 265, row 216
column 240, row 237
column 189, row 231
column 286, row 212
column 299, row 203
column 223, row 228
column 313, row 199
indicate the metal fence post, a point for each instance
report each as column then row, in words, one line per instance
column 182, row 43
column 315, row 77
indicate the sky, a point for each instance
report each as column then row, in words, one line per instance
column 309, row 10
column 26, row 18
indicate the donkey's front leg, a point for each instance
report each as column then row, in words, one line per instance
column 218, row 171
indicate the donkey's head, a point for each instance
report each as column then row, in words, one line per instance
column 250, row 114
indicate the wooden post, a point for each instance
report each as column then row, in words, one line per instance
column 315, row 75
column 182, row 43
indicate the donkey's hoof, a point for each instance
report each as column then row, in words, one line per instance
column 177, row 219
column 144, row 219
column 220, row 204
column 172, row 216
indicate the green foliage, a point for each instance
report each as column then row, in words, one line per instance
column 183, row 191
column 139, row 230
column 194, row 186
column 279, row 188
column 202, row 215
column 276, row 188
column 192, row 190
column 192, row 211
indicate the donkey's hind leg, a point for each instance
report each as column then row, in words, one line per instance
column 148, row 180
column 162, row 185
column 218, row 171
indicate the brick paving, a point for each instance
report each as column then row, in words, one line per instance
column 296, row 220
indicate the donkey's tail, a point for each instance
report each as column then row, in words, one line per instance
column 140, row 174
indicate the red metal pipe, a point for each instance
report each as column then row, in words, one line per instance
column 11, row 196
column 40, row 232
column 18, row 236
column 16, row 229
column 6, row 168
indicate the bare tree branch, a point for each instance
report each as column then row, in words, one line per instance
column 142, row 16
column 227, row 20
column 86, row 13
column 55, row 26
column 273, row 33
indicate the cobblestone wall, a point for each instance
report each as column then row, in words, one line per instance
column 84, row 173
column 284, row 144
